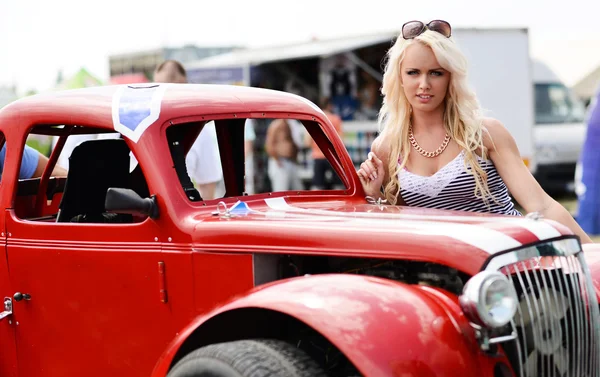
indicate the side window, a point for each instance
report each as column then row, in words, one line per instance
column 203, row 163
column 294, row 160
column 84, row 163
column 196, row 159
column 257, row 155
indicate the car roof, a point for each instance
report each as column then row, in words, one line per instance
column 98, row 106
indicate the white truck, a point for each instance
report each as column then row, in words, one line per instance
column 501, row 72
column 559, row 130
column 500, row 68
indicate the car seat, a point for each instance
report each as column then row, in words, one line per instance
column 94, row 166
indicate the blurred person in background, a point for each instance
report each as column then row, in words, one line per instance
column 368, row 96
column 435, row 149
column 342, row 87
column 282, row 150
column 249, row 139
column 203, row 161
column 587, row 175
column 320, row 164
column 33, row 164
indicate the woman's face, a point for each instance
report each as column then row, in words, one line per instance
column 425, row 82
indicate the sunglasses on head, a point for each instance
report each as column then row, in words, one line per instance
column 413, row 29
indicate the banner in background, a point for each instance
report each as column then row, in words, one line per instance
column 588, row 189
column 225, row 76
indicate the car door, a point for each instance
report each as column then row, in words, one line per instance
column 8, row 354
column 96, row 303
column 8, row 351
column 95, row 306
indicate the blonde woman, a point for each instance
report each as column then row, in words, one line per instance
column 435, row 148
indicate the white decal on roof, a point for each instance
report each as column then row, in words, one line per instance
column 135, row 108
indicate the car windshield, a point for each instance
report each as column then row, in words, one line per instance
column 555, row 104
column 301, row 162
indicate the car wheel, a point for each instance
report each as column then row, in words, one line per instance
column 247, row 358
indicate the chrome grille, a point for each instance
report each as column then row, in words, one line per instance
column 557, row 319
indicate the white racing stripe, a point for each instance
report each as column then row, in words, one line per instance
column 280, row 204
column 486, row 239
column 541, row 229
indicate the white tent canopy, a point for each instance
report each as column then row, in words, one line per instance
column 587, row 87
column 316, row 48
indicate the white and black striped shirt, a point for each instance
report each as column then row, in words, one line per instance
column 453, row 188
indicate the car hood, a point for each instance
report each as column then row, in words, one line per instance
column 338, row 227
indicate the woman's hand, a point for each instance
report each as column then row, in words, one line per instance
column 371, row 175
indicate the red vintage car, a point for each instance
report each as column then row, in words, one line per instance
column 122, row 269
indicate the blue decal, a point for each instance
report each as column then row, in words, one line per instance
column 240, row 208
column 135, row 108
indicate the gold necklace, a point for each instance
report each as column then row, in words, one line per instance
column 422, row 151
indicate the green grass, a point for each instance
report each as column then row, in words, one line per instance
column 570, row 203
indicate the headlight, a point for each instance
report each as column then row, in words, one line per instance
column 489, row 299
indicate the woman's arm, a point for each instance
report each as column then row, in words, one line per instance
column 42, row 162
column 522, row 185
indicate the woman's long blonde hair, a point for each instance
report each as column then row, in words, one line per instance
column 462, row 114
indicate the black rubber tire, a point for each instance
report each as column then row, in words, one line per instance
column 248, row 358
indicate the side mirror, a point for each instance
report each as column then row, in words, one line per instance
column 121, row 200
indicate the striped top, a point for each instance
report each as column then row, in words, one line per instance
column 453, row 188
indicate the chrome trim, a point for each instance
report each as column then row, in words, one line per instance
column 486, row 340
column 594, row 312
column 506, row 338
column 556, row 327
column 578, row 318
column 472, row 298
column 522, row 356
column 7, row 308
column 563, row 248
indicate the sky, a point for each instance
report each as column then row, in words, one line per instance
column 38, row 38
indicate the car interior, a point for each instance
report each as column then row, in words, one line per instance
column 101, row 159
column 94, row 165
column 231, row 135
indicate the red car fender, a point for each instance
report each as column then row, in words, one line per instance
column 384, row 328
column 591, row 251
